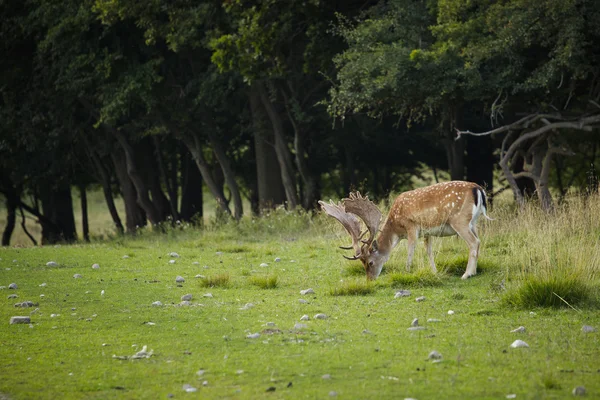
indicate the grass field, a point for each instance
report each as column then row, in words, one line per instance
column 536, row 270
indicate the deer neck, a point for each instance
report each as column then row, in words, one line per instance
column 388, row 239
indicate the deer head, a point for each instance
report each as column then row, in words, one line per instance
column 346, row 213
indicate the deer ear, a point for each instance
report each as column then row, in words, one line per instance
column 375, row 246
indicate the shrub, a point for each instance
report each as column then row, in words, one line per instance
column 264, row 282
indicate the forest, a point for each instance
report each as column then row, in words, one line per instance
column 270, row 103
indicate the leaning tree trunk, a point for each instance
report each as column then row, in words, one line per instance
column 171, row 191
column 193, row 145
column 281, row 148
column 106, row 186
column 141, row 188
column 228, row 175
column 134, row 214
column 11, row 217
column 270, row 187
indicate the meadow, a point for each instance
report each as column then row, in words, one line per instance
column 243, row 336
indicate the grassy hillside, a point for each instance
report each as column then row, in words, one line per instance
column 536, row 270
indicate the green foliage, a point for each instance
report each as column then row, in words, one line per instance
column 265, row 282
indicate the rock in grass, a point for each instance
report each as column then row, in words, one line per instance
column 51, row 264
column 43, row 284
column 253, row 336
column 270, row 324
column 247, row 306
column 20, row 320
column 417, row 328
column 304, row 318
column 420, row 298
column 321, row 316
column 200, row 276
column 157, row 304
column 434, row 320
column 520, row 329
column 277, row 259
column 95, row 266
column 434, row 355
column 125, row 257
column 13, row 296
column 326, row 376
column 171, row 261
column 450, row 312
column 263, row 265
column 518, row 343
column 415, row 322
column 209, row 295
column 77, row 276
column 579, row 391
column 402, row 293
column 26, row 304
column 173, row 254
column 588, row 329
column 186, row 297
column 333, row 393
column 13, row 286
column 189, row 388
column 302, row 301
column 300, row 326
column 185, row 303
column 195, row 263
column 179, row 279
column 307, row 291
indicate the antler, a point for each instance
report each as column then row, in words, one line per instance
column 366, row 210
column 349, row 221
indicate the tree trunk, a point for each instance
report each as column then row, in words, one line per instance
column 455, row 150
column 11, row 217
column 134, row 214
column 168, row 184
column 141, row 188
column 106, row 186
column 57, row 205
column 268, row 175
column 281, row 148
column 191, row 190
column 480, row 161
column 84, row 214
column 228, row 175
column 193, row 145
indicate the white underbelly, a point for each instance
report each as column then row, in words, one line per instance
column 442, row 230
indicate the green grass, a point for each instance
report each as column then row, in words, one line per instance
column 364, row 344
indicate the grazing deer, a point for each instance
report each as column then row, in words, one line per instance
column 444, row 209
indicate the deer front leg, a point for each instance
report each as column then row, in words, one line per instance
column 430, row 253
column 412, row 242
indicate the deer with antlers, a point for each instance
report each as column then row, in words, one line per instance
column 443, row 209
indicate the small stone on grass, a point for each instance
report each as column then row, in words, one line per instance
column 518, row 343
column 402, row 293
column 179, row 279
column 420, row 298
column 320, row 316
column 520, row 329
column 20, row 320
column 588, row 329
column 307, row 291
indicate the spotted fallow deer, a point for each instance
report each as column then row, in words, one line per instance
column 444, row 209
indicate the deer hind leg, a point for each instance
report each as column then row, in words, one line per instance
column 430, row 253
column 465, row 232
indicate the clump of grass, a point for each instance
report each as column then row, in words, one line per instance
column 219, row 280
column 550, row 382
column 421, row 278
column 265, row 282
column 353, row 288
column 354, row 269
column 554, row 291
